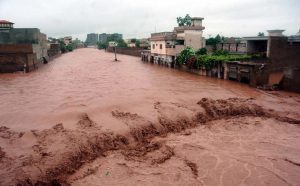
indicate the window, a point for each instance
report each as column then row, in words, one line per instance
column 153, row 46
column 160, row 46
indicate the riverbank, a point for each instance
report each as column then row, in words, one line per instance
column 85, row 120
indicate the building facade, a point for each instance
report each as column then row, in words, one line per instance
column 103, row 37
column 92, row 39
column 22, row 49
column 278, row 64
column 6, row 25
column 67, row 40
column 165, row 46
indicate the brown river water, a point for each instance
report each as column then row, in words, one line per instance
column 84, row 119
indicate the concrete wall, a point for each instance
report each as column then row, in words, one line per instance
column 193, row 39
column 17, row 57
column 285, row 58
column 54, row 50
column 22, row 47
column 232, row 47
column 12, row 62
column 15, row 48
column 127, row 51
column 20, row 36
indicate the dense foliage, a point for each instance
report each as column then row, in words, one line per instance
column 66, row 48
column 184, row 21
column 137, row 43
column 220, row 53
column 215, row 40
column 201, row 51
column 261, row 34
column 196, row 60
column 185, row 55
column 121, row 43
column 70, row 47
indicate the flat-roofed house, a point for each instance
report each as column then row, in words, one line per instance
column 21, row 49
column 165, row 46
column 6, row 25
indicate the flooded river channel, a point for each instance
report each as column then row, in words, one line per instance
column 84, row 119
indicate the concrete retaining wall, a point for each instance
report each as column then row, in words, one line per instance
column 17, row 57
column 127, row 51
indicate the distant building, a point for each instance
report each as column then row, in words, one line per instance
column 145, row 43
column 131, row 43
column 165, row 46
column 22, row 49
column 67, row 40
column 232, row 45
column 295, row 38
column 115, row 36
column 91, row 39
column 103, row 37
column 6, row 25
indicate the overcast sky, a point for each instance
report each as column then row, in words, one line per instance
column 139, row 18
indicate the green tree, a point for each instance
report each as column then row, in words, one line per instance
column 137, row 43
column 201, row 51
column 218, row 39
column 261, row 34
column 63, row 48
column 185, row 55
column 220, row 53
column 122, row 43
column 184, row 21
column 215, row 40
column 101, row 45
column 70, row 47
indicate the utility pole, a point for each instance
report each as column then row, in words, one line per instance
column 114, row 45
column 115, row 48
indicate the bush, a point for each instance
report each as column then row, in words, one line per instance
column 220, row 53
column 63, row 48
column 191, row 62
column 196, row 60
column 201, row 51
column 185, row 55
column 101, row 45
column 69, row 48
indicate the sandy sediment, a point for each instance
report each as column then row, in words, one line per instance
column 61, row 156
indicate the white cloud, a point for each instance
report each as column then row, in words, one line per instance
column 139, row 18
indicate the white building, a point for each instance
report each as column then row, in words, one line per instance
column 165, row 46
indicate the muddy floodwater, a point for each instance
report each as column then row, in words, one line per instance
column 84, row 119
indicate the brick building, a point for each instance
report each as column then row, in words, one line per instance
column 22, row 49
column 280, row 64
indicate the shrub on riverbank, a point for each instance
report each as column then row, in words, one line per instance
column 185, row 55
column 194, row 60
